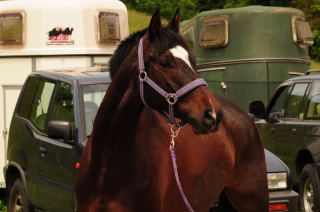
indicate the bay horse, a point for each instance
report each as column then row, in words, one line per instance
column 126, row 165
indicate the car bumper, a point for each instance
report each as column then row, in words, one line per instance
column 280, row 199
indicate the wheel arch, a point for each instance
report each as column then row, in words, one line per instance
column 13, row 172
column 304, row 157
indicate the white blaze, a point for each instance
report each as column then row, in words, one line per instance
column 180, row 52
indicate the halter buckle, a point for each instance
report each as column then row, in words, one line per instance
column 143, row 76
column 171, row 99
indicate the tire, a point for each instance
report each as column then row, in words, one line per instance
column 18, row 198
column 309, row 189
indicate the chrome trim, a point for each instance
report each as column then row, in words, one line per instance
column 212, row 69
column 254, row 60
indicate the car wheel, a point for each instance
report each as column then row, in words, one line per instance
column 18, row 198
column 309, row 189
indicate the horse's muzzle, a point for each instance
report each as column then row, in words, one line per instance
column 208, row 123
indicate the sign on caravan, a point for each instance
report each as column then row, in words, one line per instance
column 46, row 34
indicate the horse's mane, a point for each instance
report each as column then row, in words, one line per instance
column 165, row 39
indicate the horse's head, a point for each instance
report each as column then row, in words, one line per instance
column 171, row 66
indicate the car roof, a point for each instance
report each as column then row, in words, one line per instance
column 311, row 74
column 88, row 75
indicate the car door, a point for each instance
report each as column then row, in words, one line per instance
column 58, row 158
column 285, row 129
column 34, row 107
column 312, row 122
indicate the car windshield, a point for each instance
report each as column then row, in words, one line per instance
column 92, row 98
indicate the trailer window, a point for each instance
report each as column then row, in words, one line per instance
column 11, row 28
column 302, row 34
column 109, row 27
column 214, row 33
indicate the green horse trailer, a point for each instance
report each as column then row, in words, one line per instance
column 245, row 53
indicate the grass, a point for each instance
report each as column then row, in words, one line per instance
column 315, row 64
column 139, row 21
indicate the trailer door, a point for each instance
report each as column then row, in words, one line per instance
column 10, row 96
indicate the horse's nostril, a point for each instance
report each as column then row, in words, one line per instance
column 210, row 114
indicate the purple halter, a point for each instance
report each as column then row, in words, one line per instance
column 170, row 97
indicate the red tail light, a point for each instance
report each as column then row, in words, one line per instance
column 278, row 207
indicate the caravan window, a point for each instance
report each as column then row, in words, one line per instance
column 302, row 34
column 214, row 32
column 109, row 27
column 11, row 28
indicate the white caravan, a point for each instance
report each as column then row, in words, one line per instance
column 47, row 34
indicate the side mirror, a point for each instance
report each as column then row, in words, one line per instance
column 258, row 109
column 61, row 130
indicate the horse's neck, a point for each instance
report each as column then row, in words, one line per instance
column 118, row 113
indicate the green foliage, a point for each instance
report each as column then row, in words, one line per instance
column 237, row 3
column 4, row 209
column 167, row 7
column 243, row 3
column 203, row 5
column 311, row 9
column 316, row 5
column 315, row 50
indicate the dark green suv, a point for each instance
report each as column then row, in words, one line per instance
column 49, row 127
column 290, row 128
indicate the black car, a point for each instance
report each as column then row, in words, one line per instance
column 290, row 128
column 51, row 122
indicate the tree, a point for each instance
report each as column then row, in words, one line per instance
column 242, row 3
column 203, row 5
column 167, row 7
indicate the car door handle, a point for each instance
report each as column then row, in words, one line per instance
column 294, row 131
column 43, row 151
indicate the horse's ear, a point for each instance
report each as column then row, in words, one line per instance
column 174, row 23
column 155, row 24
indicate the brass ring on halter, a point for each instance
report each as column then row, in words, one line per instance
column 171, row 99
column 143, row 75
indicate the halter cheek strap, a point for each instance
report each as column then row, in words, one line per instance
column 170, row 97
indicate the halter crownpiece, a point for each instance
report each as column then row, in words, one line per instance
column 170, row 97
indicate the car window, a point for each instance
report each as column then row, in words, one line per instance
column 27, row 97
column 41, row 102
column 278, row 104
column 293, row 109
column 63, row 109
column 92, row 97
column 313, row 111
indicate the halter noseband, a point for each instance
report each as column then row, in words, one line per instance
column 170, row 97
